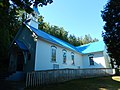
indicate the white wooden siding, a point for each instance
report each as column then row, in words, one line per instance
column 99, row 61
column 43, row 57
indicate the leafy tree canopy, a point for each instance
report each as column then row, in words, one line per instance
column 10, row 10
column 60, row 33
column 25, row 4
column 111, row 17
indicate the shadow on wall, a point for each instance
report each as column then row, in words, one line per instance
column 95, row 65
column 98, row 65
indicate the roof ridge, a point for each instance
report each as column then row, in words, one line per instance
column 91, row 47
column 55, row 39
column 88, row 43
column 83, row 49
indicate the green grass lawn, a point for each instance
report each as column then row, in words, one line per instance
column 101, row 83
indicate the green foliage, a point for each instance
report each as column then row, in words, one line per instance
column 60, row 33
column 11, row 17
column 8, row 24
column 25, row 4
column 111, row 17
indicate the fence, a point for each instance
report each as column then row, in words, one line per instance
column 39, row 78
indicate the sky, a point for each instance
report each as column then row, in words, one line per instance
column 78, row 17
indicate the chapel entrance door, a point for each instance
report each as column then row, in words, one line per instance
column 20, row 61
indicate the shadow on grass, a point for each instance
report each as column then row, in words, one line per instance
column 101, row 83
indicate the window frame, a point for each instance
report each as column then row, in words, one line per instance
column 73, row 58
column 64, row 57
column 91, row 61
column 53, row 50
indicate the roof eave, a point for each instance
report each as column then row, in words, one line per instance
column 92, row 52
column 57, row 44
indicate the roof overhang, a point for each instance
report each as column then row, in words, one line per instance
column 21, row 45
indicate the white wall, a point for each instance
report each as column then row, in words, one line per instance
column 43, row 57
column 33, row 22
column 98, row 58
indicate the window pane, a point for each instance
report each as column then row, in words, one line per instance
column 53, row 54
column 91, row 60
column 64, row 56
column 72, row 57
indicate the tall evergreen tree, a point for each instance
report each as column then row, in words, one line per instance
column 111, row 17
column 9, row 20
column 60, row 33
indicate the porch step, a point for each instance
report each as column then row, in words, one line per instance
column 3, row 75
column 17, row 76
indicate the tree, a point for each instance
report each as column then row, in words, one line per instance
column 25, row 4
column 10, row 21
column 60, row 33
column 87, row 39
column 111, row 17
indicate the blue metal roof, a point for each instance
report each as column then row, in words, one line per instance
column 83, row 49
column 91, row 47
column 21, row 45
column 52, row 38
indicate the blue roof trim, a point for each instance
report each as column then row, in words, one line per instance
column 83, row 49
column 21, row 45
column 52, row 38
column 91, row 47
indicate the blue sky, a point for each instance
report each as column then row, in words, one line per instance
column 78, row 17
